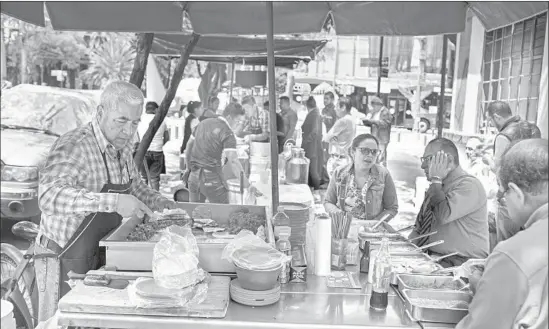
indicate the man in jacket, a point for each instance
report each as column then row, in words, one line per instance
column 454, row 206
column 312, row 143
column 329, row 118
column 512, row 292
column 511, row 129
column 380, row 120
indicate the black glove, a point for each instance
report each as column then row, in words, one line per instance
column 367, row 122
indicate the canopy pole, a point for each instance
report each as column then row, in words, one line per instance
column 272, row 105
column 231, row 85
column 380, row 65
column 440, row 113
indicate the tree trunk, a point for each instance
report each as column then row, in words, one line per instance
column 168, row 98
column 213, row 77
column 144, row 44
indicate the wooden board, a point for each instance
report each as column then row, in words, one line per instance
column 100, row 300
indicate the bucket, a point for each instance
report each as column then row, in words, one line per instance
column 8, row 321
column 260, row 149
column 233, row 186
column 299, row 215
column 259, row 165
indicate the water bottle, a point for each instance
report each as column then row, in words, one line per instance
column 381, row 277
column 283, row 245
column 280, row 219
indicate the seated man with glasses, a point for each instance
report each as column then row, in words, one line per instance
column 363, row 188
column 455, row 207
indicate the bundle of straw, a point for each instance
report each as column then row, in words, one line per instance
column 341, row 224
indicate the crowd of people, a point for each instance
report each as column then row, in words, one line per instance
column 90, row 181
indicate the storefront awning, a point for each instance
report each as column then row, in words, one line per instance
column 234, row 18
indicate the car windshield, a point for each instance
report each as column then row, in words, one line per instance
column 46, row 109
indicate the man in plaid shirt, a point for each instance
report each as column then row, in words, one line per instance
column 87, row 185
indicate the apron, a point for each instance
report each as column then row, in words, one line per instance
column 81, row 253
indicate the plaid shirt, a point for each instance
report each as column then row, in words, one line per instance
column 73, row 176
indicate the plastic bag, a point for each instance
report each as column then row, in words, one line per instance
column 467, row 269
column 175, row 259
column 180, row 298
column 250, row 252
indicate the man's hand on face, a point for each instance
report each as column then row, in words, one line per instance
column 129, row 206
column 166, row 204
column 440, row 165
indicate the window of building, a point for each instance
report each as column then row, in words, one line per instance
column 512, row 65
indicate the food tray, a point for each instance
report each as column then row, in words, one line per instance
column 390, row 231
column 429, row 282
column 405, row 248
column 397, row 259
column 442, row 314
column 137, row 255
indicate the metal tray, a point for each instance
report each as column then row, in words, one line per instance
column 419, row 257
column 437, row 314
column 137, row 255
column 429, row 282
column 390, row 233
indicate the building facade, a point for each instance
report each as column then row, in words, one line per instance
column 508, row 64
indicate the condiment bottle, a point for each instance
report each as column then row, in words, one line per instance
column 283, row 245
column 365, row 260
column 280, row 219
column 381, row 277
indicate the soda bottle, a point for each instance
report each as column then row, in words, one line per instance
column 280, row 219
column 381, row 277
column 283, row 245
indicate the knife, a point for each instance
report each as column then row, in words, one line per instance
column 99, row 280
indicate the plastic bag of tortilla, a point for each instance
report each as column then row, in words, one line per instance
column 248, row 251
column 175, row 259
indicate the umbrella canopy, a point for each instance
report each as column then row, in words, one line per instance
column 349, row 18
column 251, row 51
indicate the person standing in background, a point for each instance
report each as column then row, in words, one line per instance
column 329, row 118
column 380, row 120
column 211, row 110
column 154, row 158
column 195, row 111
column 340, row 137
column 511, row 129
column 312, row 143
column 289, row 116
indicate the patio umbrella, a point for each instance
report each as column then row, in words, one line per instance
column 349, row 18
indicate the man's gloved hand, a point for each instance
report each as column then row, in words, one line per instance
column 129, row 206
column 472, row 270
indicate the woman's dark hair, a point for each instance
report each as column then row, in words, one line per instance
column 154, row 104
column 311, row 102
column 362, row 137
column 233, row 110
column 212, row 99
column 346, row 102
column 192, row 106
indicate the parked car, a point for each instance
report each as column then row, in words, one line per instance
column 32, row 118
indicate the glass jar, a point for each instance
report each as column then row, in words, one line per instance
column 297, row 169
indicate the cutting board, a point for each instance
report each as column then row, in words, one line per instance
column 101, row 300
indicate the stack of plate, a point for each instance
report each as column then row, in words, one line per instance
column 253, row 298
column 299, row 215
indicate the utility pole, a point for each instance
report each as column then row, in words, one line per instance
column 420, row 81
column 380, row 66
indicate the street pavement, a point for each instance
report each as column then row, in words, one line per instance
column 403, row 162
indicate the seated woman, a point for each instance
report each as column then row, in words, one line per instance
column 362, row 188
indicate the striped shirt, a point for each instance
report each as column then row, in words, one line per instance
column 75, row 173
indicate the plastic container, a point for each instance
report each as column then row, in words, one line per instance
column 299, row 215
column 259, row 165
column 381, row 277
column 234, row 191
column 8, row 321
column 258, row 280
column 280, row 219
column 297, row 169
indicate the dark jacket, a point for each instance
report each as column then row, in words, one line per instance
column 312, row 134
column 187, row 132
column 517, row 129
column 382, row 128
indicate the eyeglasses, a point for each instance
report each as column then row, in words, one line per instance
column 367, row 151
column 427, row 158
